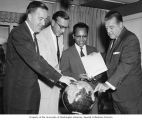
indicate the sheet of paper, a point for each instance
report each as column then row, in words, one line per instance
column 94, row 64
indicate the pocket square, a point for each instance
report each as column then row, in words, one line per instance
column 115, row 53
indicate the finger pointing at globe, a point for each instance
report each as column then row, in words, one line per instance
column 67, row 80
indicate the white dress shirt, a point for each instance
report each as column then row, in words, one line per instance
column 79, row 50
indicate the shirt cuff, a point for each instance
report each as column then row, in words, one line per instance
column 110, row 85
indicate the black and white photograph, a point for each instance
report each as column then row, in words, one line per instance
column 70, row 59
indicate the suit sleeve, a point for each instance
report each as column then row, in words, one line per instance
column 27, row 52
column 130, row 54
column 66, row 67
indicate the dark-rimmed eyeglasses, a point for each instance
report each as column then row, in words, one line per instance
column 61, row 26
column 79, row 37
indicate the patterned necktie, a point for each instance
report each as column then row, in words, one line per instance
column 81, row 52
column 112, row 43
column 36, row 43
column 58, row 51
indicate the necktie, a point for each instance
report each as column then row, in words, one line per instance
column 81, row 52
column 58, row 51
column 36, row 43
column 112, row 43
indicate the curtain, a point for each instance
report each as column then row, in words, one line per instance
column 94, row 18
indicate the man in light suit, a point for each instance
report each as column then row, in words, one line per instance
column 71, row 64
column 24, row 64
column 47, row 40
column 124, row 73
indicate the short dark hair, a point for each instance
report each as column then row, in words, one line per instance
column 80, row 25
column 34, row 5
column 61, row 14
column 114, row 14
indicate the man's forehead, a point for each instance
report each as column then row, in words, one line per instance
column 62, row 20
column 111, row 23
column 81, row 31
column 41, row 11
column 112, row 20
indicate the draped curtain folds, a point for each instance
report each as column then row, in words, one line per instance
column 94, row 18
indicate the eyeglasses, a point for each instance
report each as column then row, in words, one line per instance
column 61, row 27
column 79, row 37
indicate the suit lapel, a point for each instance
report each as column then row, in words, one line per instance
column 29, row 34
column 76, row 56
column 27, row 30
column 88, row 50
column 52, row 46
column 110, row 51
column 115, row 46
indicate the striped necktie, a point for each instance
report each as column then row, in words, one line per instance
column 36, row 43
column 81, row 52
column 112, row 43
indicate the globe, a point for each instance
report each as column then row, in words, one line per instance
column 78, row 97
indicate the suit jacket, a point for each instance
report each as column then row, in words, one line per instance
column 21, row 88
column 71, row 64
column 47, row 48
column 124, row 67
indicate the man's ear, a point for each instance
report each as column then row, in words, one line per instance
column 29, row 17
column 73, row 36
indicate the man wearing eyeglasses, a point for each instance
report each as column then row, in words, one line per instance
column 50, row 42
column 71, row 64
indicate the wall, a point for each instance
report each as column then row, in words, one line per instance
column 20, row 6
column 13, row 5
column 17, row 6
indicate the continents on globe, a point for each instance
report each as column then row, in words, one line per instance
column 78, row 97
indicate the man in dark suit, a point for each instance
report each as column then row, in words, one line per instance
column 24, row 64
column 124, row 73
column 71, row 64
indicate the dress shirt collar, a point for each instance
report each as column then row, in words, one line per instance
column 83, row 49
